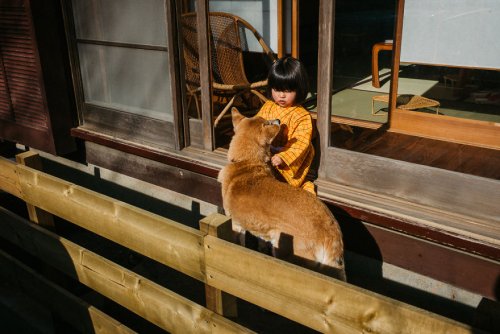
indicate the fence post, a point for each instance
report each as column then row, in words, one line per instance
column 218, row 301
column 36, row 215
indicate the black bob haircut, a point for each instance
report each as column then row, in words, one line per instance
column 289, row 74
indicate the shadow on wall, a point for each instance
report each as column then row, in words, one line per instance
column 364, row 262
column 189, row 217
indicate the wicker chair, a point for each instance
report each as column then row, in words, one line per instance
column 227, row 43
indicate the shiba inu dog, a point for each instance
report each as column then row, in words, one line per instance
column 293, row 220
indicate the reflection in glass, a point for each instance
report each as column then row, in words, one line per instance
column 460, row 92
column 239, row 59
column 123, row 55
column 124, row 21
column 360, row 105
column 130, row 80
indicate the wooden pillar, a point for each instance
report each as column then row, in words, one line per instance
column 281, row 38
column 282, row 28
column 325, row 77
column 396, row 53
column 218, row 301
column 202, row 22
column 36, row 215
column 295, row 28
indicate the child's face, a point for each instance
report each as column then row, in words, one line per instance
column 283, row 98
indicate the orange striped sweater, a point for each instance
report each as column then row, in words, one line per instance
column 294, row 138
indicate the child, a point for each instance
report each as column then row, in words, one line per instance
column 292, row 149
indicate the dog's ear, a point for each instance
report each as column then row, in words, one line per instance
column 237, row 117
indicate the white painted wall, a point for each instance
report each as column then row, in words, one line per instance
column 452, row 32
column 261, row 14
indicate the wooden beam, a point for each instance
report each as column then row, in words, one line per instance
column 218, row 301
column 159, row 238
column 202, row 21
column 325, row 76
column 317, row 301
column 281, row 38
column 448, row 128
column 396, row 54
column 295, row 28
column 172, row 10
column 37, row 215
column 82, row 316
column 149, row 300
column 162, row 156
column 9, row 180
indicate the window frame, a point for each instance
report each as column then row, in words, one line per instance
column 148, row 131
column 387, row 181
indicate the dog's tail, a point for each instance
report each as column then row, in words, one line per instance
column 330, row 262
column 329, row 254
column 334, row 268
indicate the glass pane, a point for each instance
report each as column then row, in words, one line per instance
column 126, row 21
column 453, row 33
column 359, row 104
column 131, row 80
column 261, row 14
column 237, row 60
column 459, row 92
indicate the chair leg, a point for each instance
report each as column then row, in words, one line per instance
column 226, row 108
column 197, row 106
column 259, row 95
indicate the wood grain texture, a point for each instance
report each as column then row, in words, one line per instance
column 159, row 238
column 9, row 180
column 319, row 302
column 37, row 215
column 81, row 315
column 473, row 198
column 151, row 301
column 453, row 129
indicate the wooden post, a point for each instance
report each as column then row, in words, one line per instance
column 295, row 28
column 36, row 215
column 281, row 38
column 149, row 300
column 218, row 301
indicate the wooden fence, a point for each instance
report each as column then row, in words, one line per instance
column 314, row 300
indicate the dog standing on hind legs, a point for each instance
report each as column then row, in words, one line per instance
column 275, row 211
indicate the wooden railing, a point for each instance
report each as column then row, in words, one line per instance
column 314, row 300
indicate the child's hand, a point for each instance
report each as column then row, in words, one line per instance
column 276, row 160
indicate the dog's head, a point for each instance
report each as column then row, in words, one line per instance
column 252, row 137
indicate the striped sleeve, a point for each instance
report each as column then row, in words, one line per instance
column 299, row 142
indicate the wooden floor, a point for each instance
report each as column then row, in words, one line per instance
column 436, row 153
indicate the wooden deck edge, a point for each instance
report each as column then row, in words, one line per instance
column 422, row 220
column 441, row 127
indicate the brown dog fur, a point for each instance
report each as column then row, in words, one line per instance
column 272, row 210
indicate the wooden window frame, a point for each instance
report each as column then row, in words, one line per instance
column 421, row 195
column 117, row 123
column 441, row 127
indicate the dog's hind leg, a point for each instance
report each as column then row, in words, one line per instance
column 238, row 233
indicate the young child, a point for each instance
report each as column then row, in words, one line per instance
column 292, row 149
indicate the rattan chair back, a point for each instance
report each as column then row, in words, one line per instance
column 228, row 42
